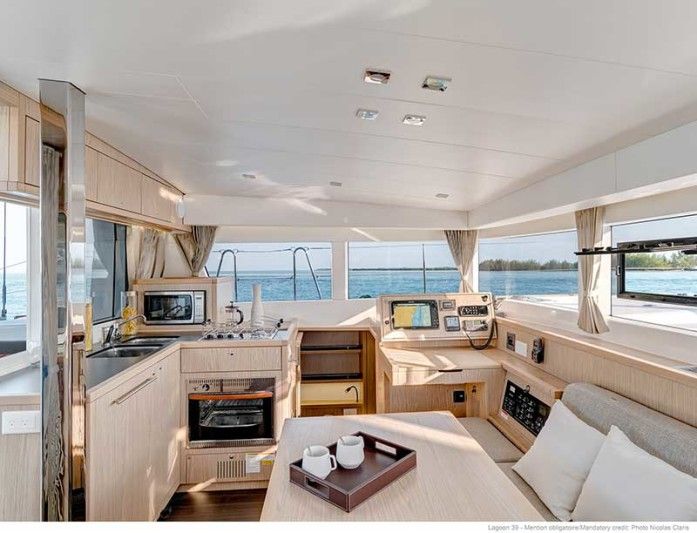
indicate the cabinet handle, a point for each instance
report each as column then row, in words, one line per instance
column 135, row 389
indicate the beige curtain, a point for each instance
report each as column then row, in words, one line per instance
column 463, row 246
column 151, row 254
column 196, row 246
column 589, row 231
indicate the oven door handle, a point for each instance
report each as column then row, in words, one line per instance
column 231, row 396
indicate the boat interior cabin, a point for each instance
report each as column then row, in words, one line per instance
column 368, row 260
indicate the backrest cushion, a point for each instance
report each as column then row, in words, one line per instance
column 662, row 436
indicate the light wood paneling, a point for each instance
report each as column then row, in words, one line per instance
column 118, row 185
column 653, row 382
column 20, row 472
column 32, row 147
column 232, row 359
column 91, row 173
column 454, row 480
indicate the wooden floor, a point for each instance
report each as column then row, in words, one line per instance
column 216, row 506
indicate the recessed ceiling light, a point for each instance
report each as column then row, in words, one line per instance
column 377, row 77
column 442, row 195
column 434, row 83
column 335, row 183
column 367, row 114
column 226, row 163
column 249, row 176
column 414, row 120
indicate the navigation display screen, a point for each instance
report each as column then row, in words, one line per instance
column 415, row 314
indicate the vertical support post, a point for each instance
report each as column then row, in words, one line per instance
column 339, row 270
column 423, row 265
column 62, row 211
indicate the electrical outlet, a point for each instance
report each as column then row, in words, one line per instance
column 510, row 341
column 458, row 396
column 521, row 348
column 18, row 422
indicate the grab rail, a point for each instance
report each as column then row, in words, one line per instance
column 295, row 272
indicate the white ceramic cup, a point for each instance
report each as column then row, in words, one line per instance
column 349, row 451
column 318, row 461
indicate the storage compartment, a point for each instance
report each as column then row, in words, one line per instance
column 230, row 359
column 337, row 373
column 222, row 467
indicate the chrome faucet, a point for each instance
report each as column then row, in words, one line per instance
column 114, row 331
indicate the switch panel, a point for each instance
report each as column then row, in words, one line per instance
column 538, row 350
column 521, row 348
column 17, row 422
column 510, row 341
column 525, row 408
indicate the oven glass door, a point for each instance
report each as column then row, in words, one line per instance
column 232, row 418
column 169, row 307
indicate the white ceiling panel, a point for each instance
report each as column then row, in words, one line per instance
column 202, row 92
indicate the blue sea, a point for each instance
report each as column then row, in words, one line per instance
column 278, row 285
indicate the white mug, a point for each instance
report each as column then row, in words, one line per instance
column 318, row 461
column 349, row 451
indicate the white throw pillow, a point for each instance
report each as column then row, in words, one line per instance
column 629, row 484
column 559, row 460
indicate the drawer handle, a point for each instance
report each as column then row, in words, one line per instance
column 135, row 389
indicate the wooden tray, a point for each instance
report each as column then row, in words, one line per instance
column 384, row 462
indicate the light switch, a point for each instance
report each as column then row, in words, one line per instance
column 521, row 348
column 18, row 422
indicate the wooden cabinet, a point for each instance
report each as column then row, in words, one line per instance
column 231, row 359
column 118, row 185
column 91, row 173
column 133, row 451
column 32, row 151
column 158, row 201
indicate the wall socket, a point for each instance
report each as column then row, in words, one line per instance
column 510, row 341
column 18, row 422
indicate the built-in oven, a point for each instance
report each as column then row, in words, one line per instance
column 174, row 307
column 231, row 412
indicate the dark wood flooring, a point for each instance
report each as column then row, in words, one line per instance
column 216, row 506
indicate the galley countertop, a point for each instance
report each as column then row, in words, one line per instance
column 22, row 387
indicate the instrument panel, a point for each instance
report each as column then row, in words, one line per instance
column 436, row 316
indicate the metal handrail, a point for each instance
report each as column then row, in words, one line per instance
column 234, row 265
column 295, row 271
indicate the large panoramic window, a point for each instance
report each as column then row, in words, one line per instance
column 286, row 271
column 541, row 268
column 105, row 267
column 656, row 287
column 377, row 268
column 14, row 278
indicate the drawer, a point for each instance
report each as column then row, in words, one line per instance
column 221, row 467
column 230, row 359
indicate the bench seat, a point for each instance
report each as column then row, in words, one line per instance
column 495, row 444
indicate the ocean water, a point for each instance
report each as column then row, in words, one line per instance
column 278, row 285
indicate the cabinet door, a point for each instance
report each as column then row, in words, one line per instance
column 32, row 142
column 158, row 200
column 165, row 449
column 118, row 185
column 118, row 453
column 91, row 173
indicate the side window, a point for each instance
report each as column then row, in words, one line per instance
column 105, row 267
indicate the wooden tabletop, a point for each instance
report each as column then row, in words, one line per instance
column 454, row 478
column 438, row 359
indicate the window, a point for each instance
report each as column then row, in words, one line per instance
column 14, row 299
column 657, row 287
column 541, row 268
column 377, row 268
column 105, row 267
column 271, row 265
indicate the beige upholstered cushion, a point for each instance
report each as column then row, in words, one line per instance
column 527, row 491
column 498, row 447
column 662, row 436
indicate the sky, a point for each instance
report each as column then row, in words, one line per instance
column 560, row 246
column 16, row 236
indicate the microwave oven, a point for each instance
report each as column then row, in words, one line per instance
column 174, row 307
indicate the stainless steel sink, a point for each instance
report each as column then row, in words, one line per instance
column 127, row 351
column 149, row 340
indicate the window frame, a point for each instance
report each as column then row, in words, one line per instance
column 650, row 296
column 119, row 280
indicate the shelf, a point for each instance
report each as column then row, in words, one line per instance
column 335, row 348
column 330, row 378
column 330, row 403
